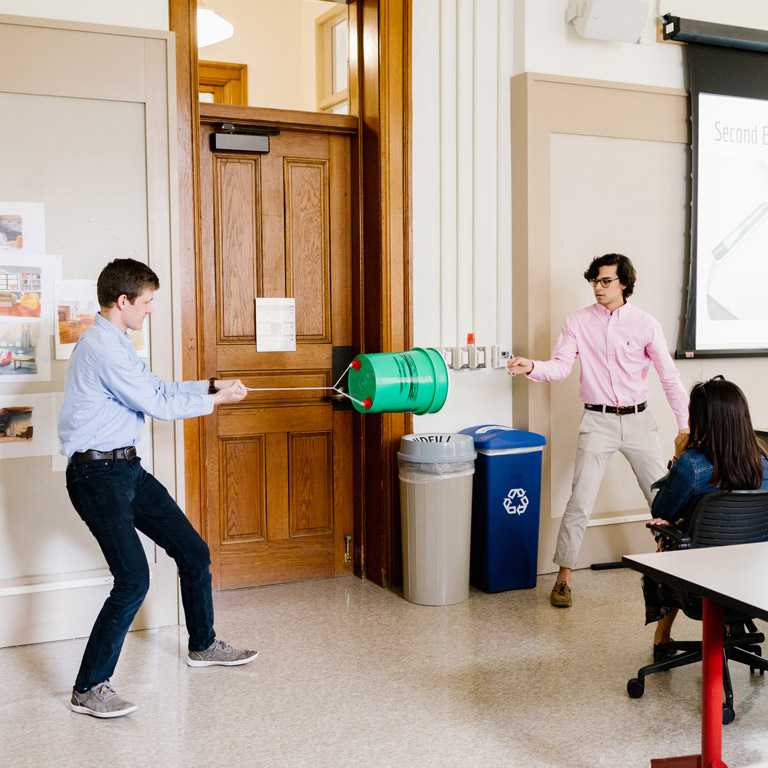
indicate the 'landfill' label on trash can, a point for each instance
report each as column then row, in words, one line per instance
column 516, row 501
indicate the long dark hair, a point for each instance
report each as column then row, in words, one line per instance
column 721, row 428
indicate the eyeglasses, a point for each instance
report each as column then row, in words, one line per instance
column 604, row 281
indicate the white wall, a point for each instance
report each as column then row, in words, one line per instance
column 144, row 14
column 462, row 62
column 276, row 39
column 553, row 47
column 461, row 196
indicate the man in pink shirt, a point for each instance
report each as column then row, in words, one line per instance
column 616, row 343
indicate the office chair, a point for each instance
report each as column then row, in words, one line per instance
column 719, row 519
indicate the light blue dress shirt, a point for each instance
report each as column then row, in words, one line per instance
column 109, row 389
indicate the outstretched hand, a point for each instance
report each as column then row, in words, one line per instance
column 519, row 365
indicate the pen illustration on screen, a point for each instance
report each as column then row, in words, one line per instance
column 726, row 246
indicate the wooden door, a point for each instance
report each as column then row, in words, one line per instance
column 278, row 466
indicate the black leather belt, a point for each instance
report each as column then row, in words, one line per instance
column 618, row 410
column 120, row 453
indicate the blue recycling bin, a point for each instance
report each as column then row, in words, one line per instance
column 506, row 497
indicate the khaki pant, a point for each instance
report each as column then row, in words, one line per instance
column 600, row 436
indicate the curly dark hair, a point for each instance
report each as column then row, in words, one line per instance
column 124, row 276
column 624, row 269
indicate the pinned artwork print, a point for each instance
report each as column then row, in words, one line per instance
column 26, row 310
column 25, row 425
column 21, row 290
column 76, row 308
column 22, row 228
column 24, row 352
column 16, row 424
column 26, row 287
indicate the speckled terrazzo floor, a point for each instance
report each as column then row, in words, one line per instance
column 350, row 674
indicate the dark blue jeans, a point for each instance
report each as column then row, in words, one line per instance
column 116, row 498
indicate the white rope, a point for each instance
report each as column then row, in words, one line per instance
column 334, row 388
column 342, row 375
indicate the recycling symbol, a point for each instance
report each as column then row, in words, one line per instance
column 516, row 501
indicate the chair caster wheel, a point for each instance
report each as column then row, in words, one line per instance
column 635, row 688
column 728, row 715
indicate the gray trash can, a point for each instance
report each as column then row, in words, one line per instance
column 436, row 514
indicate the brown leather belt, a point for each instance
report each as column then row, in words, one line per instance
column 120, row 453
column 618, row 410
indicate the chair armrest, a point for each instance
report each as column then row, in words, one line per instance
column 673, row 534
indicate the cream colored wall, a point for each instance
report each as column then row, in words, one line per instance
column 588, row 218
column 276, row 39
column 143, row 14
column 66, row 74
column 450, row 174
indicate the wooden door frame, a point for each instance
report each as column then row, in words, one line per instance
column 379, row 94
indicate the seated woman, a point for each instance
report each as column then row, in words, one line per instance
column 721, row 453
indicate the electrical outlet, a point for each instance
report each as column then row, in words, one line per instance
column 500, row 353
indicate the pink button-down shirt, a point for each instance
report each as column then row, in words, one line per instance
column 615, row 350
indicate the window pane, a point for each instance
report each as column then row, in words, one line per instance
column 340, row 108
column 206, row 98
column 339, row 65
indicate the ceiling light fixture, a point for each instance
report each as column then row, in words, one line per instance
column 211, row 28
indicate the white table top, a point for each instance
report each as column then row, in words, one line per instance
column 734, row 576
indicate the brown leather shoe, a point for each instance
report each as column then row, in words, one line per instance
column 560, row 596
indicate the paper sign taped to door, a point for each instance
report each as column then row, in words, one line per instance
column 276, row 325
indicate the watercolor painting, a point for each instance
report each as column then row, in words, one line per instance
column 25, row 425
column 11, row 231
column 26, row 288
column 76, row 308
column 22, row 228
column 74, row 318
column 24, row 352
column 21, row 290
column 16, row 424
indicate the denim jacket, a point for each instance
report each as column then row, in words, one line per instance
column 687, row 481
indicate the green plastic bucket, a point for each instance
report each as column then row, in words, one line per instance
column 399, row 382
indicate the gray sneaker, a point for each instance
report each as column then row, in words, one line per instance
column 219, row 653
column 100, row 701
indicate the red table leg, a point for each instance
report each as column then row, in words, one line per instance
column 712, row 686
column 711, row 696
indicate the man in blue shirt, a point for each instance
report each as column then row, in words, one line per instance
column 108, row 391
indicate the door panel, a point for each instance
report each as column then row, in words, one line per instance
column 278, row 465
column 306, row 185
column 310, row 470
column 244, row 505
column 238, row 265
